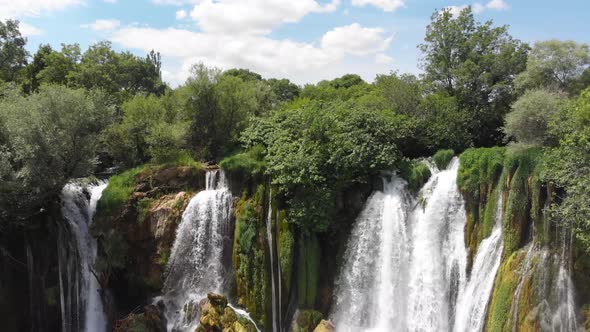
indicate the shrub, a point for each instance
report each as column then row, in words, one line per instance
column 442, row 158
column 416, row 173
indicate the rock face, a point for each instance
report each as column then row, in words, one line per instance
column 325, row 326
column 151, row 320
column 216, row 316
column 144, row 228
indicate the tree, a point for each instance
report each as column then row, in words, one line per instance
column 283, row 89
column 556, row 65
column 528, row 122
column 38, row 64
column 568, row 168
column 13, row 55
column 476, row 63
column 59, row 65
column 47, row 138
column 403, row 93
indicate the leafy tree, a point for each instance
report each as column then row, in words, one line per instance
column 347, row 87
column 244, row 74
column 46, row 139
column 476, row 63
column 315, row 148
column 556, row 65
column 59, row 65
column 283, row 89
column 568, row 167
column 529, row 119
column 13, row 55
column 152, row 128
column 38, row 64
column 403, row 93
column 219, row 107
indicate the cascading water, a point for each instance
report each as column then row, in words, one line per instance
column 196, row 267
column 81, row 303
column 474, row 297
column 371, row 287
column 404, row 263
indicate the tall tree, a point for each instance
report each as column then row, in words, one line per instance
column 556, row 65
column 476, row 63
column 13, row 55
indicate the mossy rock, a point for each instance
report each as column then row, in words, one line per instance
column 306, row 320
column 442, row 158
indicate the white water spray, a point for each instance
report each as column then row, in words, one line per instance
column 81, row 303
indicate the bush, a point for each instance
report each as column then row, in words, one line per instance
column 416, row 173
column 442, row 158
column 529, row 119
column 118, row 191
column 250, row 162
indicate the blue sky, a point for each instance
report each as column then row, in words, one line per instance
column 303, row 40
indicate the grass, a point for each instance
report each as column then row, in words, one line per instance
column 482, row 166
column 416, row 173
column 250, row 162
column 442, row 158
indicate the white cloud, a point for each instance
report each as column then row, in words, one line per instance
column 386, row 5
column 29, row 30
column 20, row 8
column 479, row 8
column 110, row 1
column 381, row 58
column 302, row 62
column 497, row 5
column 355, row 39
column 174, row 2
column 102, row 25
column 455, row 10
column 254, row 16
column 181, row 14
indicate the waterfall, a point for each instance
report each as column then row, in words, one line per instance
column 474, row 298
column 196, row 266
column 80, row 299
column 438, row 258
column 274, row 272
column 405, row 261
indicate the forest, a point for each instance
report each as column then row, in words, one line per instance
column 501, row 124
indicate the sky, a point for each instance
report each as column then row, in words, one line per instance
column 303, row 40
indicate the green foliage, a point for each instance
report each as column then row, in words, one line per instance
column 46, row 139
column 442, row 158
column 219, row 107
column 314, row 148
column 476, row 63
column 416, row 173
column 250, row 162
column 556, row 65
column 118, row 191
column 402, row 93
column 249, row 258
column 13, row 55
column 501, row 302
column 528, row 122
column 151, row 129
column 568, row 167
column 308, row 266
column 347, row 87
column 479, row 167
column 143, row 208
column 286, row 248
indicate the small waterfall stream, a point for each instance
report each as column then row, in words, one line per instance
column 275, row 272
column 195, row 267
column 80, row 299
column 474, row 297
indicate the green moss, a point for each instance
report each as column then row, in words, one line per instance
column 416, row 173
column 248, row 163
column 307, row 320
column 118, row 191
column 502, row 296
column 249, row 256
column 442, row 158
column 308, row 270
column 52, row 295
column 286, row 244
column 143, row 208
column 479, row 168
